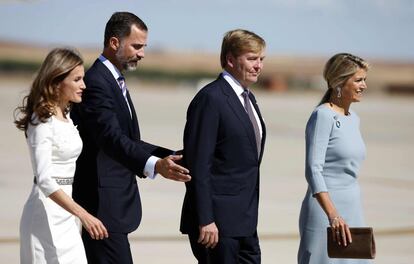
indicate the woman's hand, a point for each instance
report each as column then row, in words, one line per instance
column 340, row 231
column 94, row 226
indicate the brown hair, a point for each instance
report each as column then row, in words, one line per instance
column 240, row 41
column 338, row 69
column 119, row 26
column 44, row 95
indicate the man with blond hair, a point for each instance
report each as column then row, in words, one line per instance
column 223, row 147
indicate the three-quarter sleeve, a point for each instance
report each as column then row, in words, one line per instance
column 40, row 141
column 318, row 131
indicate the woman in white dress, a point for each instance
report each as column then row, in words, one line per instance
column 48, row 229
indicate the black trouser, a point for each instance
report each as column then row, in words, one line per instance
column 229, row 250
column 112, row 250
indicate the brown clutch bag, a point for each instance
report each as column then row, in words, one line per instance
column 362, row 246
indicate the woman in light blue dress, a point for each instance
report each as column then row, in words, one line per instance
column 334, row 153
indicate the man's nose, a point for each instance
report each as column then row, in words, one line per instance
column 259, row 64
column 141, row 53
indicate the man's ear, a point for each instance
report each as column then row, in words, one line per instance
column 230, row 60
column 114, row 43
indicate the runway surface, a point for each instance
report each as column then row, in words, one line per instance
column 386, row 178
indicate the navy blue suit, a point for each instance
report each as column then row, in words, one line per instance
column 221, row 153
column 113, row 153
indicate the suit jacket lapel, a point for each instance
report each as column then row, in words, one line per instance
column 134, row 124
column 239, row 110
column 119, row 98
column 256, row 107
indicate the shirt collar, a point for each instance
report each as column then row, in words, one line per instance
column 115, row 72
column 238, row 89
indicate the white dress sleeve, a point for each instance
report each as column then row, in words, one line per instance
column 40, row 141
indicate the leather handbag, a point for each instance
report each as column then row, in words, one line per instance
column 362, row 246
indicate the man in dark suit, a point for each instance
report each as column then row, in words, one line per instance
column 223, row 146
column 113, row 152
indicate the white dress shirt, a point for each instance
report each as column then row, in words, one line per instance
column 238, row 89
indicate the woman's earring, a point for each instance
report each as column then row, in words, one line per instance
column 338, row 90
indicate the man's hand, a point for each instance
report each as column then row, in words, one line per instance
column 170, row 170
column 208, row 235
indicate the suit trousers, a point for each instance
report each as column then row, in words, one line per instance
column 112, row 250
column 229, row 250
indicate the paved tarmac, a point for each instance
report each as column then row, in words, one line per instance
column 386, row 178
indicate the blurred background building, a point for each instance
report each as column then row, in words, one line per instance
column 185, row 37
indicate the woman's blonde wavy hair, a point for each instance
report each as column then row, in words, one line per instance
column 338, row 69
column 44, row 92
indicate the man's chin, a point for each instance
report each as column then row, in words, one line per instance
column 130, row 66
column 253, row 79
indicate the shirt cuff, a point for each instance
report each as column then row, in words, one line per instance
column 149, row 169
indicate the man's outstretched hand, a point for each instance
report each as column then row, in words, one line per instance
column 169, row 169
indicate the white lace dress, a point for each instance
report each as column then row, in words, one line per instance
column 48, row 233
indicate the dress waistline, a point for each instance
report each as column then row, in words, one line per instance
column 59, row 180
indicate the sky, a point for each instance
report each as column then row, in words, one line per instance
column 379, row 29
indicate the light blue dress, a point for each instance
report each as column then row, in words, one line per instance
column 334, row 153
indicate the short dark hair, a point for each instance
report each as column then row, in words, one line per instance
column 119, row 26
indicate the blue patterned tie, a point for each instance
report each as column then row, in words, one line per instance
column 122, row 85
